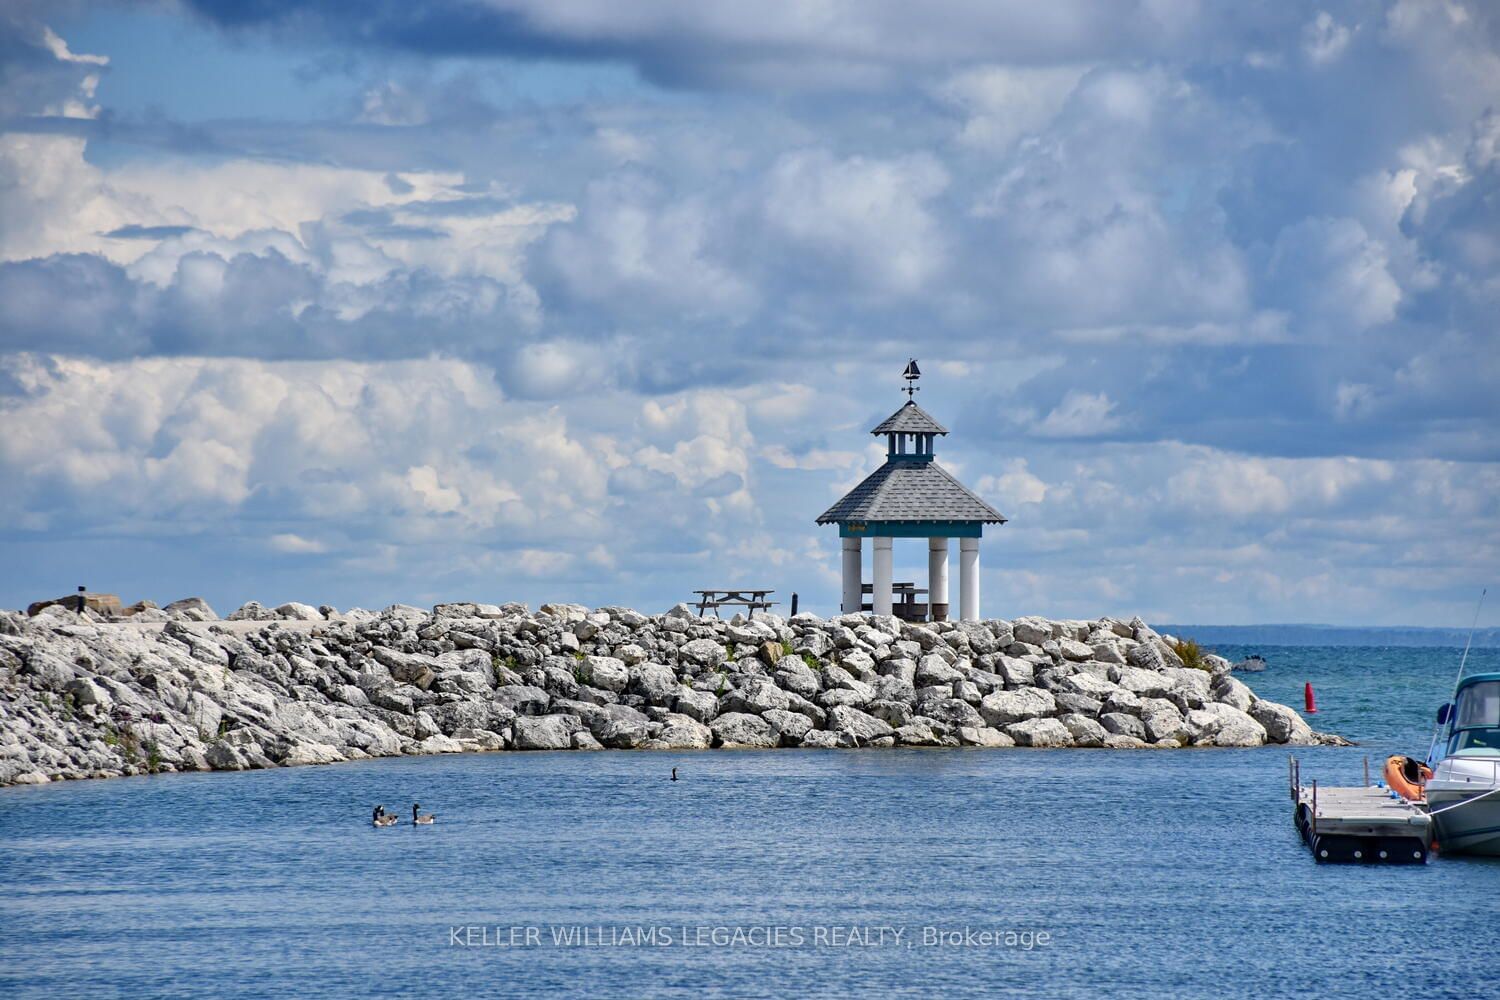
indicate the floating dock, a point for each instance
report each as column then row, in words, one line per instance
column 1360, row 825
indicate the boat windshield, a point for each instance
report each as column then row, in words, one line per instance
column 1478, row 705
column 1476, row 742
column 1476, row 720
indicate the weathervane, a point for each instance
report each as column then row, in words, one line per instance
column 911, row 375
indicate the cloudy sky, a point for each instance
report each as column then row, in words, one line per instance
column 360, row 302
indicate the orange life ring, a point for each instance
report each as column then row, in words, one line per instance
column 1407, row 777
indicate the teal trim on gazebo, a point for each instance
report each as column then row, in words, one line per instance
column 911, row 529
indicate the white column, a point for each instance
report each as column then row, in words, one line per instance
column 937, row 578
column 854, row 573
column 882, row 584
column 968, row 579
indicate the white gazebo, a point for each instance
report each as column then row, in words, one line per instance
column 911, row 496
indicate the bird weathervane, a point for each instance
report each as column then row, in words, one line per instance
column 911, row 375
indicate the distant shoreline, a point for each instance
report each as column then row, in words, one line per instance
column 1333, row 635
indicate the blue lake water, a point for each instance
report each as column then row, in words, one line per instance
column 1152, row 873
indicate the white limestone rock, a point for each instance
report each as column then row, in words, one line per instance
column 756, row 695
column 1039, row 733
column 788, row 727
column 699, row 705
column 1281, row 723
column 680, row 732
column 605, row 673
column 703, row 652
column 862, row 726
column 1224, row 726
column 546, row 732
column 1002, row 708
column 1236, row 693
column 741, row 730
column 984, row 736
column 1085, row 731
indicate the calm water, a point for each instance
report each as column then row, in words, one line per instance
column 1153, row 873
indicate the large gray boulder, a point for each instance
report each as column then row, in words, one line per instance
column 796, row 676
column 522, row 699
column 408, row 668
column 1234, row 692
column 756, row 695
column 984, row 736
column 1084, row 731
column 1089, row 685
column 1001, row 708
column 917, row 734
column 1072, row 649
column 311, row 752
column 458, row 715
column 862, row 726
column 622, row 734
column 1281, row 723
column 1143, row 682
column 788, row 727
column 86, row 691
column 1123, row 725
column 699, row 705
column 1224, row 726
column 1039, row 733
column 223, row 756
column 1018, row 673
column 605, row 673
column 952, row 712
column 679, row 732
column 933, row 669
column 741, row 730
column 1032, row 631
column 704, row 653
column 547, row 732
column 654, row 682
column 191, row 609
column 1164, row 722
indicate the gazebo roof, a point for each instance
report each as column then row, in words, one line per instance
column 910, row 419
column 911, row 491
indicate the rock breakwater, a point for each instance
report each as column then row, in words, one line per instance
column 82, row 697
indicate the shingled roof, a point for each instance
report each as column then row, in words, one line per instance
column 910, row 419
column 911, row 491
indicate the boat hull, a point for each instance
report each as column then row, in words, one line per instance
column 1473, row 827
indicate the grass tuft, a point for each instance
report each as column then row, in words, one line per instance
column 1191, row 654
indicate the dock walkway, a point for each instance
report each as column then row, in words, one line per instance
column 1360, row 825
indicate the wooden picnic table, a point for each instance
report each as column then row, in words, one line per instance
column 749, row 598
column 904, row 604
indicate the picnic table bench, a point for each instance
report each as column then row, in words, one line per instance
column 750, row 599
column 904, row 603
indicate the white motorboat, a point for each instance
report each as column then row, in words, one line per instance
column 1463, row 793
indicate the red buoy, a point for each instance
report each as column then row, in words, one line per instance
column 1312, row 703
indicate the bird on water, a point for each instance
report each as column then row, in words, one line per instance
column 382, row 818
column 420, row 818
column 674, row 774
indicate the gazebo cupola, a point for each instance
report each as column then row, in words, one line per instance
column 911, row 496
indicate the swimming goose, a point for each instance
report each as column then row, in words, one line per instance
column 383, row 818
column 674, row 774
column 420, row 819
